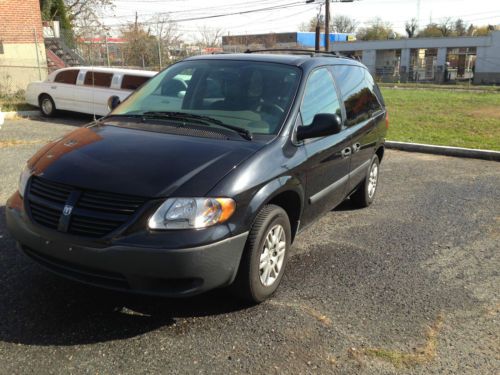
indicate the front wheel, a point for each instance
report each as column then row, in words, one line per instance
column 265, row 256
column 47, row 105
column 365, row 193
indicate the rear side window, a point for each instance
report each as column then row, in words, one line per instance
column 374, row 88
column 67, row 76
column 98, row 79
column 320, row 96
column 358, row 93
column 130, row 82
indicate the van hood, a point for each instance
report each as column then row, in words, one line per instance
column 137, row 162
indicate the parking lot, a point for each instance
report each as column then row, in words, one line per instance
column 409, row 285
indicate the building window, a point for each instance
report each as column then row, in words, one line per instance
column 1, row 47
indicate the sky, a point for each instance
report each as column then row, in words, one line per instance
column 287, row 15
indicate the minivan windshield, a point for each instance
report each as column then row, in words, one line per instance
column 254, row 96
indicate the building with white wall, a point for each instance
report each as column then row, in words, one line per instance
column 430, row 59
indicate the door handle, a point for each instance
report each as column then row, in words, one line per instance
column 346, row 152
column 53, row 87
column 356, row 147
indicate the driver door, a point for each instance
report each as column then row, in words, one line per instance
column 328, row 158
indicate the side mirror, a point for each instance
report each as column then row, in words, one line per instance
column 113, row 102
column 323, row 124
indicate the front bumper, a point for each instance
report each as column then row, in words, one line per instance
column 166, row 272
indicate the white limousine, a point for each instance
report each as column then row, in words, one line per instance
column 84, row 89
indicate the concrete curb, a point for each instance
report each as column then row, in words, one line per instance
column 445, row 150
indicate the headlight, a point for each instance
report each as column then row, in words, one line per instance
column 23, row 180
column 191, row 213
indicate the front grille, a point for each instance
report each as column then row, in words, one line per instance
column 94, row 213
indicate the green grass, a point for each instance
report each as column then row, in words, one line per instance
column 433, row 86
column 448, row 118
column 14, row 102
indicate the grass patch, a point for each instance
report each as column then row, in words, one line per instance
column 447, row 118
column 419, row 355
column 14, row 102
column 433, row 86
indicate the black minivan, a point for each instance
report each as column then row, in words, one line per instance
column 203, row 177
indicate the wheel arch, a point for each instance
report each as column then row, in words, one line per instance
column 380, row 152
column 286, row 192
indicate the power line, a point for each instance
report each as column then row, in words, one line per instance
column 173, row 20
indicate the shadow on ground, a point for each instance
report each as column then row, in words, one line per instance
column 65, row 118
column 38, row 308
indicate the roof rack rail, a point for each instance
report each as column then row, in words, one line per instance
column 303, row 51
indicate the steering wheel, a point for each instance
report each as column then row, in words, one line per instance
column 272, row 109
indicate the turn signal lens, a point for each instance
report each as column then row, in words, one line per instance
column 228, row 206
column 387, row 120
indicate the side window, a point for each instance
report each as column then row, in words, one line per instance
column 376, row 97
column 67, row 76
column 98, row 79
column 130, row 82
column 359, row 99
column 320, row 96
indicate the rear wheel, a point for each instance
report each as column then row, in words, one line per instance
column 265, row 256
column 47, row 105
column 365, row 193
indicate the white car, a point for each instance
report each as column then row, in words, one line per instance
column 84, row 89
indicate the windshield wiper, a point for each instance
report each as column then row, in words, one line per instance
column 200, row 119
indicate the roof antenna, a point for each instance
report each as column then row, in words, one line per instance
column 93, row 83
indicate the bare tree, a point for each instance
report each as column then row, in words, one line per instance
column 338, row 24
column 83, row 8
column 167, row 36
column 210, row 37
column 446, row 27
column 343, row 24
column 411, row 27
column 85, row 14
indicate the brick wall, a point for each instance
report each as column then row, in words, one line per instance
column 18, row 20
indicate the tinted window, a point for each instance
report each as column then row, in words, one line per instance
column 319, row 97
column 375, row 90
column 130, row 82
column 67, row 76
column 359, row 99
column 98, row 79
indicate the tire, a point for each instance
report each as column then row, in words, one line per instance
column 47, row 105
column 251, row 284
column 365, row 192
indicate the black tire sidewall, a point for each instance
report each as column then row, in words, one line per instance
column 47, row 97
column 274, row 215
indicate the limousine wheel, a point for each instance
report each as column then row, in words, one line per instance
column 365, row 194
column 265, row 257
column 47, row 105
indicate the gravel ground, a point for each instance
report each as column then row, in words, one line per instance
column 409, row 285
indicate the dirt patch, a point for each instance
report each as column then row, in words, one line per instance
column 308, row 310
column 18, row 142
column 489, row 112
column 418, row 355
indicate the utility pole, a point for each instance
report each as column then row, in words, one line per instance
column 327, row 22
column 327, row 25
column 107, row 48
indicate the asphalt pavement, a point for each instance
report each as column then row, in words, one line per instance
column 408, row 285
